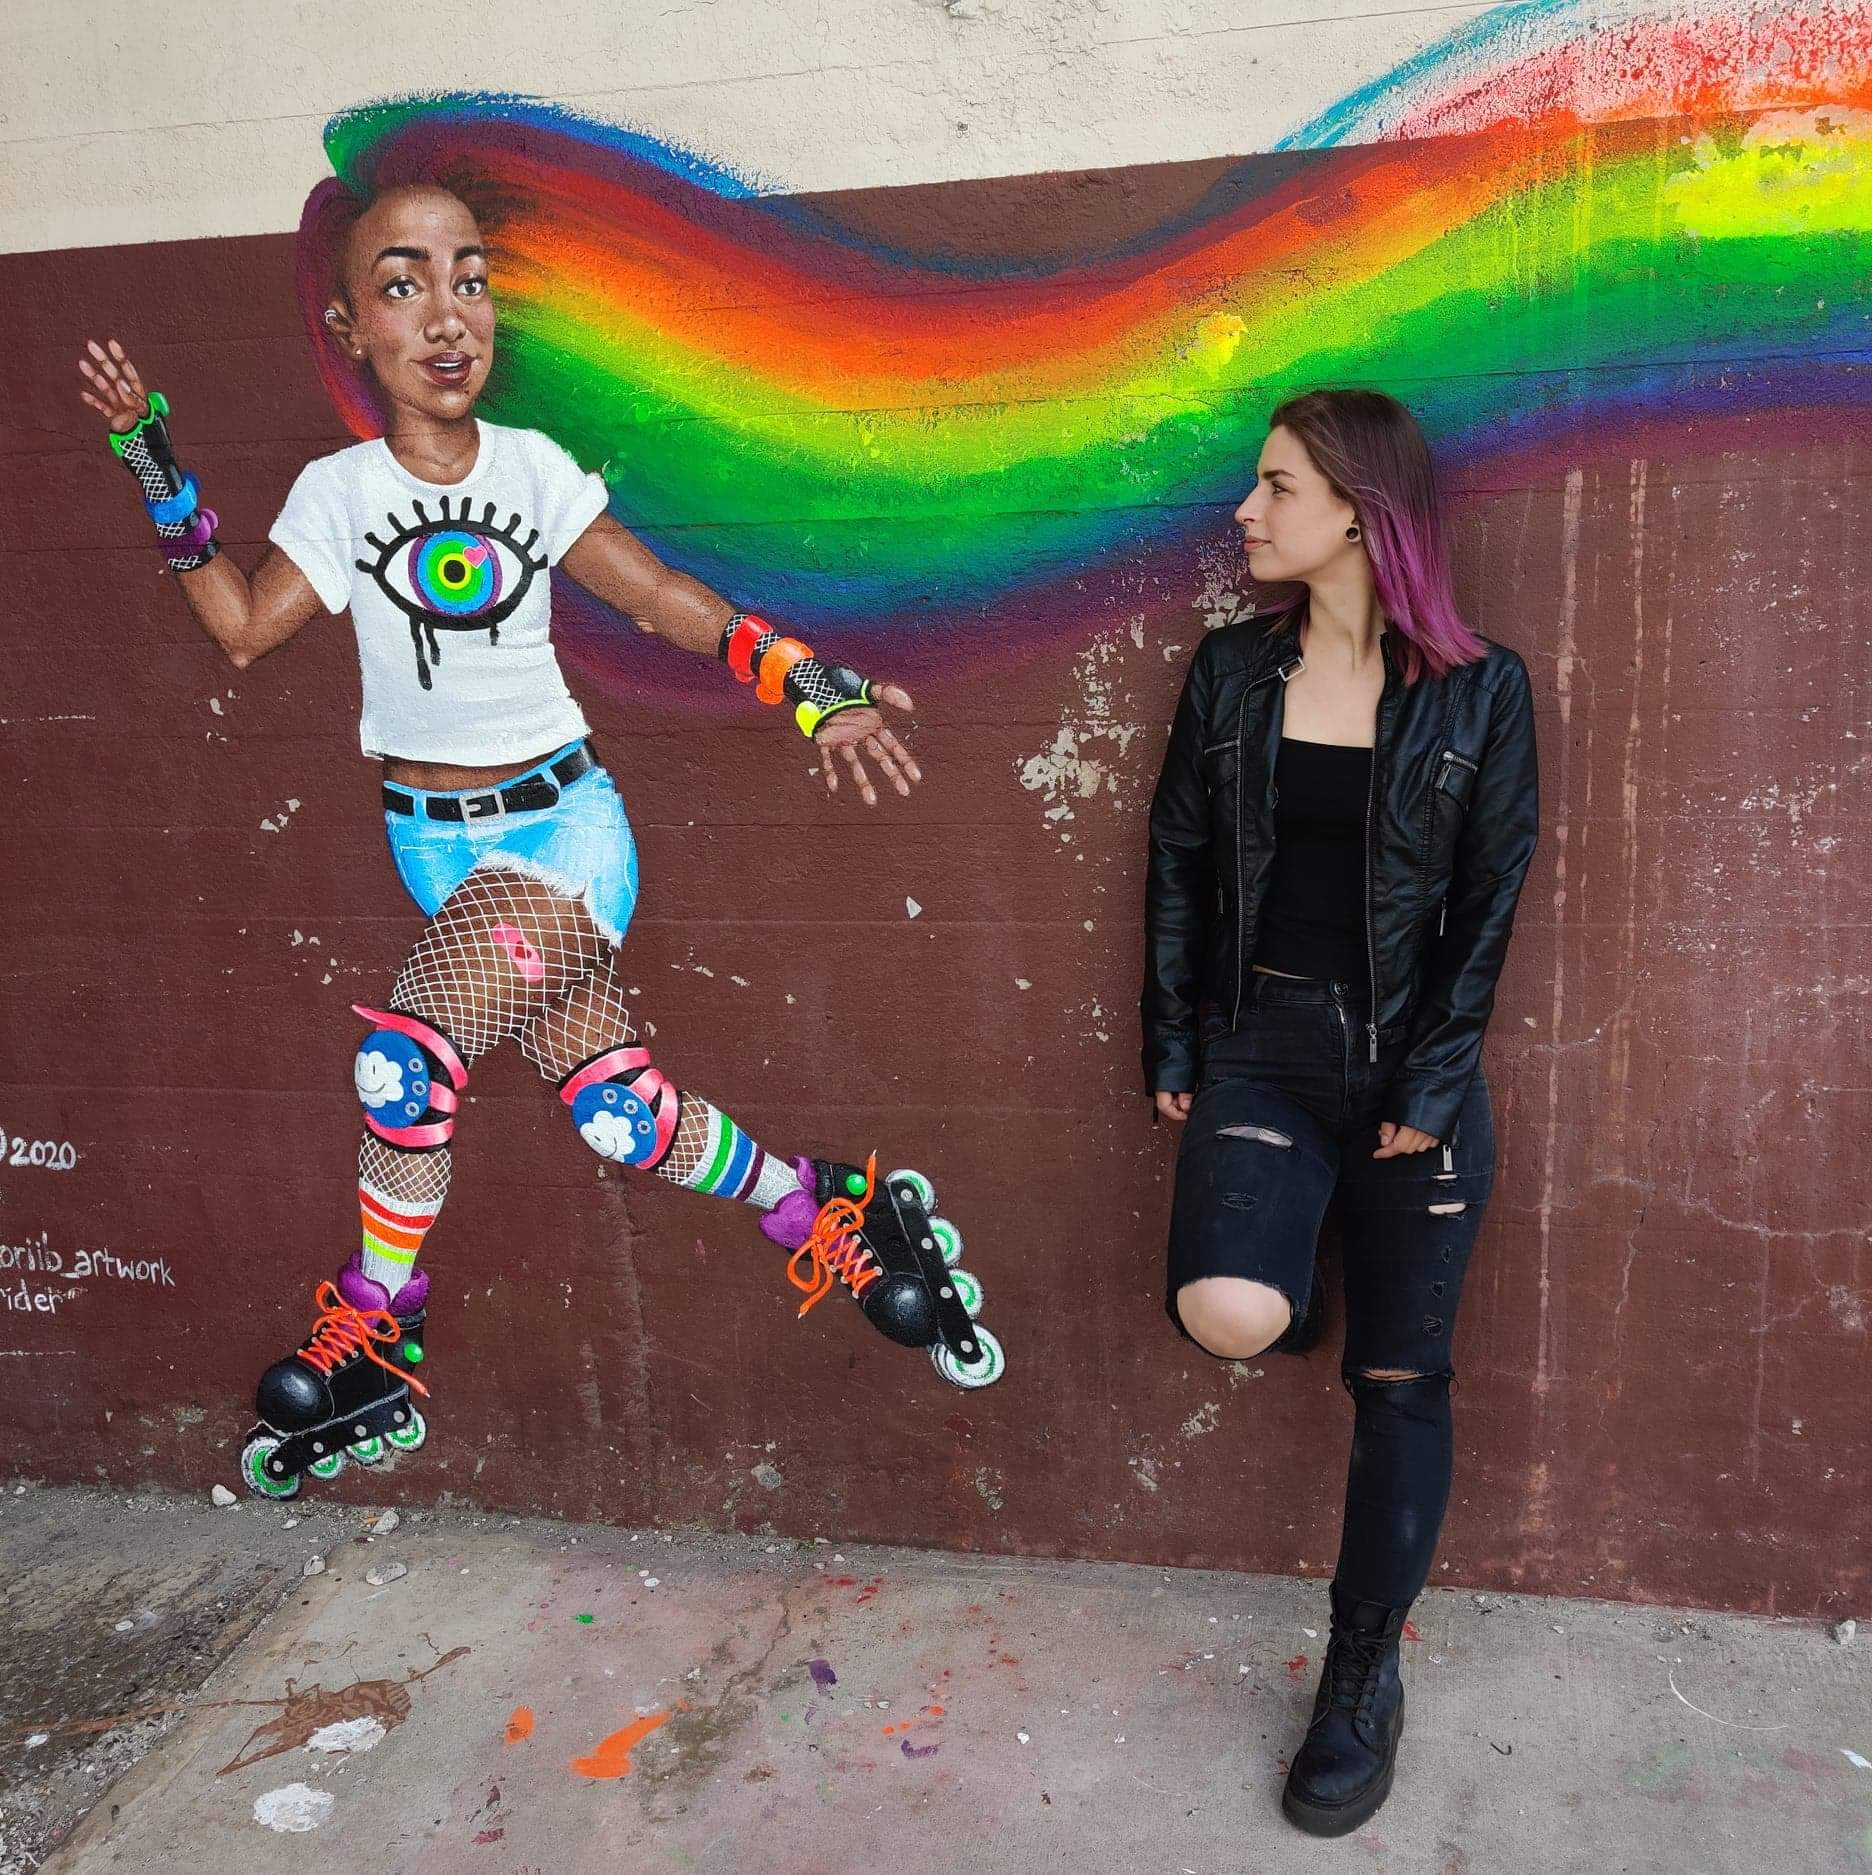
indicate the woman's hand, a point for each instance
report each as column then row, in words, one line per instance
column 841, row 737
column 1394, row 1140
column 1173, row 1106
column 120, row 397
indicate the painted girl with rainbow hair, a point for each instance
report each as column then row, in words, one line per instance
column 440, row 536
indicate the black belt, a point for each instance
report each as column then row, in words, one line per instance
column 524, row 795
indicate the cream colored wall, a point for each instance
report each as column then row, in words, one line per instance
column 113, row 130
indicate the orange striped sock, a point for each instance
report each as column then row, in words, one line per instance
column 394, row 1229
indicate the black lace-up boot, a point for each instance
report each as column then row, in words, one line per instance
column 1342, row 1772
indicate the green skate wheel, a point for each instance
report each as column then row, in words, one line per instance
column 365, row 1451
column 921, row 1190
column 968, row 1291
column 409, row 1438
column 948, row 1240
column 254, row 1474
column 988, row 1367
column 327, row 1467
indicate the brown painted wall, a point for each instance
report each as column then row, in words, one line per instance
column 1663, row 1345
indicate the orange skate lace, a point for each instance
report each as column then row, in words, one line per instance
column 342, row 1331
column 835, row 1250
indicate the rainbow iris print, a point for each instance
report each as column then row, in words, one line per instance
column 1555, row 236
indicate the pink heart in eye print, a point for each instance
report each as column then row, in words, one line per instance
column 475, row 555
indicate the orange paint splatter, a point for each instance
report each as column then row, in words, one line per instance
column 613, row 1756
column 520, row 1725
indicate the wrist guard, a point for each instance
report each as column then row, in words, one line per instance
column 784, row 670
column 184, row 528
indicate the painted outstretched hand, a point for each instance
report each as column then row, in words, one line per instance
column 116, row 392
column 852, row 734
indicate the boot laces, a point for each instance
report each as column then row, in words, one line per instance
column 1357, row 1658
column 835, row 1251
column 341, row 1333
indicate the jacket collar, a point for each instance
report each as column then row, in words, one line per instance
column 1279, row 650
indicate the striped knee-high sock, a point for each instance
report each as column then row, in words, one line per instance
column 711, row 1154
column 394, row 1229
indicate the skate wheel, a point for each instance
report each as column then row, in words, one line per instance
column 988, row 1366
column 948, row 1240
column 254, row 1474
column 327, row 1467
column 409, row 1438
column 968, row 1291
column 365, row 1451
column 921, row 1191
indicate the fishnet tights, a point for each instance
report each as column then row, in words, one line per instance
column 507, row 956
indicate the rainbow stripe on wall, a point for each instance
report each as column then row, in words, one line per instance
column 1555, row 240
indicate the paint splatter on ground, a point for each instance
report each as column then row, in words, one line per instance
column 1297, row 1665
column 822, row 1675
column 293, row 1808
column 612, row 1758
column 519, row 1725
column 348, row 1735
column 313, row 1710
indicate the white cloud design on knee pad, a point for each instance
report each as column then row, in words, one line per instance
column 379, row 1079
column 609, row 1136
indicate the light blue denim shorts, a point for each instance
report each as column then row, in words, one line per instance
column 582, row 847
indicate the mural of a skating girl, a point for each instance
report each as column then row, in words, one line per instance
column 440, row 537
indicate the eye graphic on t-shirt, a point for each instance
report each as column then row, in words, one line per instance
column 458, row 573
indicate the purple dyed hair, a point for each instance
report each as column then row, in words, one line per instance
column 1369, row 447
column 325, row 225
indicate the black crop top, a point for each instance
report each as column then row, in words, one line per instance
column 1312, row 920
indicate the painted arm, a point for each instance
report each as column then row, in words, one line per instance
column 612, row 564
column 246, row 617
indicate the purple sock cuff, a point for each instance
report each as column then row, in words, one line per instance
column 362, row 1293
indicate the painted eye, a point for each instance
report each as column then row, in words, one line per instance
column 456, row 572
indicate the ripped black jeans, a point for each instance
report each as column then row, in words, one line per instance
column 1285, row 1121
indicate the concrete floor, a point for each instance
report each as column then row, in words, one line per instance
column 532, row 1696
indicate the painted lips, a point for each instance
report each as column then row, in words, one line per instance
column 448, row 367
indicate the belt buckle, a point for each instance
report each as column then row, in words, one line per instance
column 483, row 806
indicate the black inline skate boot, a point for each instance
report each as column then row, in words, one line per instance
column 346, row 1392
column 898, row 1260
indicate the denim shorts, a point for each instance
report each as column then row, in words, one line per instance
column 1285, row 1121
column 581, row 847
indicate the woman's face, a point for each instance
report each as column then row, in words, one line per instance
column 416, row 307
column 1293, row 523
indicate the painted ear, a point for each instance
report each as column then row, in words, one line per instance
column 338, row 324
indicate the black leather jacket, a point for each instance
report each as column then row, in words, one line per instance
column 1453, row 819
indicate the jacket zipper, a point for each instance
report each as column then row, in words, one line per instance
column 1452, row 760
column 1371, row 804
column 1291, row 668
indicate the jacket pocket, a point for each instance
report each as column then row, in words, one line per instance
column 1220, row 764
column 1455, row 776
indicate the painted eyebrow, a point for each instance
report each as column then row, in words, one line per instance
column 422, row 253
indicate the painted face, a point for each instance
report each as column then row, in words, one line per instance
column 420, row 313
column 1293, row 523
